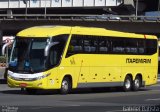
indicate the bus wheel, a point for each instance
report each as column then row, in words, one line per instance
column 31, row 91
column 65, row 86
column 127, row 84
column 137, row 83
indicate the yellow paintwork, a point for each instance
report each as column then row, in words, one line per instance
column 44, row 31
column 94, row 67
column 159, row 43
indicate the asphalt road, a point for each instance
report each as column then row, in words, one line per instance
column 81, row 100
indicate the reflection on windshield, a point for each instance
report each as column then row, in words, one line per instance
column 27, row 54
column 56, row 51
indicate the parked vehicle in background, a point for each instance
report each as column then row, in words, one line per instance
column 152, row 15
column 101, row 17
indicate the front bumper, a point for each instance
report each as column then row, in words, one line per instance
column 37, row 84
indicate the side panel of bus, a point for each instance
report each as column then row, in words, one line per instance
column 98, row 70
column 93, row 70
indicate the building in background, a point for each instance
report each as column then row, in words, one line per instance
column 122, row 7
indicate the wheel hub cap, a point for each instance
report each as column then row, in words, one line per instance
column 128, row 84
column 136, row 83
column 65, row 85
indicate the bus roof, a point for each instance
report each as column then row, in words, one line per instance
column 49, row 31
column 44, row 31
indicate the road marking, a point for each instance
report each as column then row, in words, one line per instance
column 157, row 99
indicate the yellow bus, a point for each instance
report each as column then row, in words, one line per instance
column 67, row 57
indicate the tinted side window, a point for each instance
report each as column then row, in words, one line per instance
column 90, row 44
column 104, row 45
column 76, row 45
column 56, row 51
column 87, row 45
column 94, row 44
column 118, row 45
column 141, row 46
column 151, row 46
column 111, row 45
column 131, row 46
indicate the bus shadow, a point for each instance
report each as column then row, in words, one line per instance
column 3, row 81
column 23, row 92
column 18, row 92
column 75, row 91
column 102, row 90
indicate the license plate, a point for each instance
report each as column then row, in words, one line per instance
column 23, row 85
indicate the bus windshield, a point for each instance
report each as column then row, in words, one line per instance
column 28, row 55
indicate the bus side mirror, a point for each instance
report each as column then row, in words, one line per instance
column 46, row 51
column 5, row 51
column 5, row 47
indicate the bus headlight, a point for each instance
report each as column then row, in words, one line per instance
column 43, row 76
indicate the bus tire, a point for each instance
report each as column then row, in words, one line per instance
column 65, row 86
column 127, row 83
column 31, row 91
column 137, row 83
